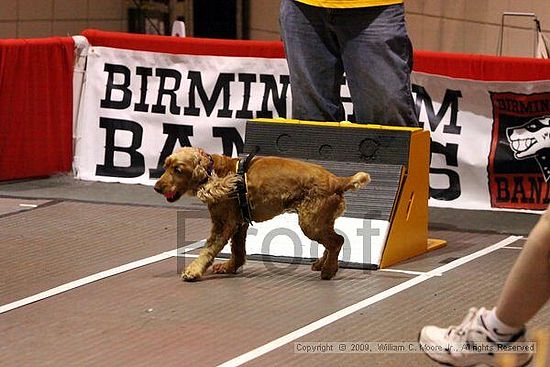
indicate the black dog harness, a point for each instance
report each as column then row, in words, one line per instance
column 242, row 193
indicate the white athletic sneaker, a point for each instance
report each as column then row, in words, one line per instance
column 471, row 343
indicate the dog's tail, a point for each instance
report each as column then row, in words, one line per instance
column 354, row 182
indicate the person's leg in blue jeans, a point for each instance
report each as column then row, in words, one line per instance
column 377, row 58
column 372, row 47
column 313, row 56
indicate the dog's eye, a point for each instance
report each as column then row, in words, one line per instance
column 178, row 170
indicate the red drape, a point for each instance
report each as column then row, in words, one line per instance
column 35, row 107
column 482, row 67
column 187, row 45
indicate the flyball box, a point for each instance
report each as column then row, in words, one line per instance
column 384, row 223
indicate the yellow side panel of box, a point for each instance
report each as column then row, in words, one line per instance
column 408, row 236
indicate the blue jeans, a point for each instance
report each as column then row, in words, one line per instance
column 370, row 45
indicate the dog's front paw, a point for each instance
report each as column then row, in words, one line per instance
column 190, row 276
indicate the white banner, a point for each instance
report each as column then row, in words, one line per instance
column 138, row 106
column 490, row 140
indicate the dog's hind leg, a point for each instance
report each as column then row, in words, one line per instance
column 328, row 263
column 317, row 222
column 219, row 236
column 333, row 243
column 238, row 253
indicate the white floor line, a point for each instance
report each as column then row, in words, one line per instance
column 28, row 205
column 410, row 272
column 513, row 247
column 266, row 348
column 94, row 278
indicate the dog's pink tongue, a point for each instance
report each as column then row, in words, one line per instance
column 170, row 194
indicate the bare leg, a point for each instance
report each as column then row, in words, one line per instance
column 238, row 253
column 527, row 287
column 526, row 290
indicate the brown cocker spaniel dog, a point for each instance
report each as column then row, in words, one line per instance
column 275, row 185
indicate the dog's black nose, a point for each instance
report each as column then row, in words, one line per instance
column 158, row 189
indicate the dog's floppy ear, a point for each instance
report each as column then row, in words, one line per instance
column 199, row 173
